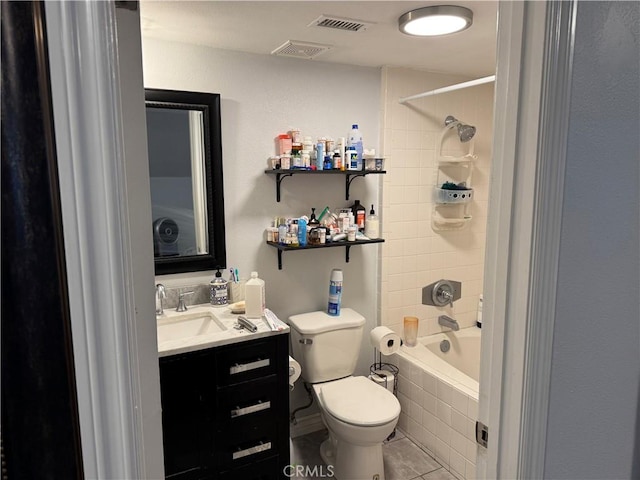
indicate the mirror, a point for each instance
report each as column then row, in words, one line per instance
column 185, row 169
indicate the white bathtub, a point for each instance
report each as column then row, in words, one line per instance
column 438, row 393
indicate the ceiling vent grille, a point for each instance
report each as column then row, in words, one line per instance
column 296, row 49
column 339, row 23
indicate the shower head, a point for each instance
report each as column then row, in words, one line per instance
column 465, row 132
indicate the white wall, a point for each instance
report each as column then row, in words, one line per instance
column 594, row 421
column 415, row 255
column 263, row 96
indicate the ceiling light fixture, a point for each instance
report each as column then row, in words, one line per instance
column 436, row 20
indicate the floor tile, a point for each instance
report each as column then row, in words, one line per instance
column 404, row 460
column 440, row 474
column 305, row 450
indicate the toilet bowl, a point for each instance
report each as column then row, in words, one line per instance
column 359, row 415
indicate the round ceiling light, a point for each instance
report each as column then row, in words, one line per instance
column 436, row 20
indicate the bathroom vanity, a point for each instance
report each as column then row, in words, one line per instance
column 225, row 397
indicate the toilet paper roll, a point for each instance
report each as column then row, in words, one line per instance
column 384, row 378
column 385, row 340
column 294, row 371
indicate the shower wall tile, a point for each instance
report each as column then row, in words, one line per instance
column 409, row 140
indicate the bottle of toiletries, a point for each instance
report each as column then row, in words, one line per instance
column 254, row 297
column 372, row 225
column 359, row 214
column 479, row 318
column 355, row 141
column 335, row 292
column 302, row 232
column 219, row 294
column 320, row 155
column 313, row 221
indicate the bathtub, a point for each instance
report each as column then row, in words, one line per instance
column 438, row 393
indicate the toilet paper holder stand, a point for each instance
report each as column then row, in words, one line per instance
column 384, row 372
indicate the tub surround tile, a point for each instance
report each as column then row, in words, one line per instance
column 471, row 452
column 458, row 422
column 472, row 410
column 429, row 402
column 459, row 400
column 430, row 422
column 471, row 429
column 416, row 393
column 443, row 432
column 470, row 470
column 444, row 392
column 429, row 383
column 430, row 441
column 442, row 453
column 415, row 412
column 459, row 443
column 457, row 463
column 444, row 412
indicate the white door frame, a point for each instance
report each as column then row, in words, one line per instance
column 535, row 42
column 535, row 52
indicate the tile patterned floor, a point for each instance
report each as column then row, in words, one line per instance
column 403, row 459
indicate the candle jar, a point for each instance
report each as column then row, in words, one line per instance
column 410, row 331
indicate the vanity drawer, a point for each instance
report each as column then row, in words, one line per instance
column 267, row 469
column 248, row 405
column 236, row 448
column 241, row 363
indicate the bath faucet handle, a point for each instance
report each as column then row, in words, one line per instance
column 182, row 306
column 446, row 294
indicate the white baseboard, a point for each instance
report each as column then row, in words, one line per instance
column 304, row 425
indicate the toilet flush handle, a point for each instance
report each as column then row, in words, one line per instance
column 306, row 341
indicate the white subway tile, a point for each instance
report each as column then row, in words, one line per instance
column 442, row 453
column 459, row 401
column 472, row 409
column 403, row 421
column 429, row 383
column 430, row 422
column 404, row 402
column 472, row 451
column 430, row 441
column 429, row 402
column 413, row 429
column 458, row 422
column 403, row 385
column 459, row 443
column 415, row 374
column 444, row 392
column 457, row 464
column 415, row 412
column 471, row 429
column 443, row 431
column 416, row 392
column 444, row 412
column 470, row 470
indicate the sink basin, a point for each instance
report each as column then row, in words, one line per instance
column 188, row 325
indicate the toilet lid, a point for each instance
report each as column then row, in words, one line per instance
column 359, row 401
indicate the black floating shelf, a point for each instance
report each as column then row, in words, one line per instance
column 347, row 245
column 348, row 174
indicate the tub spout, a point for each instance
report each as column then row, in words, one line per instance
column 446, row 321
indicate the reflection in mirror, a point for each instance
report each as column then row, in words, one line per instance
column 185, row 167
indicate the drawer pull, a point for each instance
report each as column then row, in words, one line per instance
column 245, row 367
column 258, row 407
column 261, row 447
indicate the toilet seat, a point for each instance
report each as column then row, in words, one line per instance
column 358, row 401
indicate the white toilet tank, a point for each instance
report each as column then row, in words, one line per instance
column 326, row 347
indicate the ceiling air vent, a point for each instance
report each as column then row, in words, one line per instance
column 339, row 23
column 296, row 49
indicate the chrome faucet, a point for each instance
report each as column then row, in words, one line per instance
column 161, row 294
column 447, row 321
column 182, row 307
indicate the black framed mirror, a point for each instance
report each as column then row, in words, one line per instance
column 185, row 169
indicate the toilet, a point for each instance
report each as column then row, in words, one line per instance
column 358, row 413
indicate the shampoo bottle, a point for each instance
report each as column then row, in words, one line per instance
column 355, row 141
column 359, row 214
column 254, row 297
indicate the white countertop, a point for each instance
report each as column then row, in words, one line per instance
column 216, row 338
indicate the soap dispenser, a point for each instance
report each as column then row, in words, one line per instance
column 372, row 225
column 219, row 293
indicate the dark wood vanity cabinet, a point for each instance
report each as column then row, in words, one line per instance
column 225, row 411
